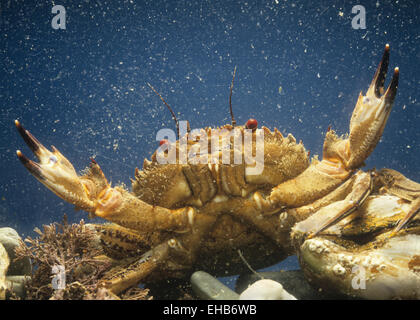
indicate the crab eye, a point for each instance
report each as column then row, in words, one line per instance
column 251, row 124
column 53, row 159
column 162, row 142
column 163, row 145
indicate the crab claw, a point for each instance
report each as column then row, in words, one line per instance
column 370, row 115
column 55, row 172
column 342, row 156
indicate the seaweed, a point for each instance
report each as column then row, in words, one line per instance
column 68, row 264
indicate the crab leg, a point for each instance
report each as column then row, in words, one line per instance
column 342, row 156
column 180, row 251
column 91, row 192
column 415, row 209
column 120, row 206
column 361, row 190
column 366, row 127
column 360, row 187
column 397, row 184
column 123, row 277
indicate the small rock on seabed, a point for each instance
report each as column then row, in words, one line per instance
column 17, row 272
column 4, row 264
column 266, row 289
column 293, row 282
column 208, row 287
column 278, row 285
column 9, row 238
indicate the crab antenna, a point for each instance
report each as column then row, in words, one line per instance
column 230, row 99
column 167, row 105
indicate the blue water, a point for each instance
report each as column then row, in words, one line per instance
column 300, row 68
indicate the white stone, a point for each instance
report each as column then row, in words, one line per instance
column 4, row 264
column 10, row 240
column 266, row 290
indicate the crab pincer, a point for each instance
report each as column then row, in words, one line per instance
column 55, row 171
column 366, row 127
column 371, row 114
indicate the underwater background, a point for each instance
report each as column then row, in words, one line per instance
column 300, row 68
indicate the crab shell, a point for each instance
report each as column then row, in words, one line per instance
column 181, row 184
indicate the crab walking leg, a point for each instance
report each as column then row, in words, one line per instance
column 415, row 209
column 125, row 276
column 397, row 184
column 180, row 251
column 92, row 192
column 360, row 186
column 362, row 189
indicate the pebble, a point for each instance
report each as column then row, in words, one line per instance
column 266, row 289
column 9, row 238
column 13, row 274
column 4, row 264
column 293, row 281
column 17, row 284
column 207, row 287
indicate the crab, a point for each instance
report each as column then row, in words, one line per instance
column 180, row 217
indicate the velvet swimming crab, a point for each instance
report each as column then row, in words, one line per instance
column 182, row 216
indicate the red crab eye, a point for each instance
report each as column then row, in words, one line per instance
column 251, row 124
column 163, row 141
column 164, row 145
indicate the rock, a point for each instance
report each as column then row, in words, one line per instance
column 4, row 264
column 266, row 289
column 293, row 281
column 17, row 285
column 209, row 288
column 14, row 275
column 9, row 238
